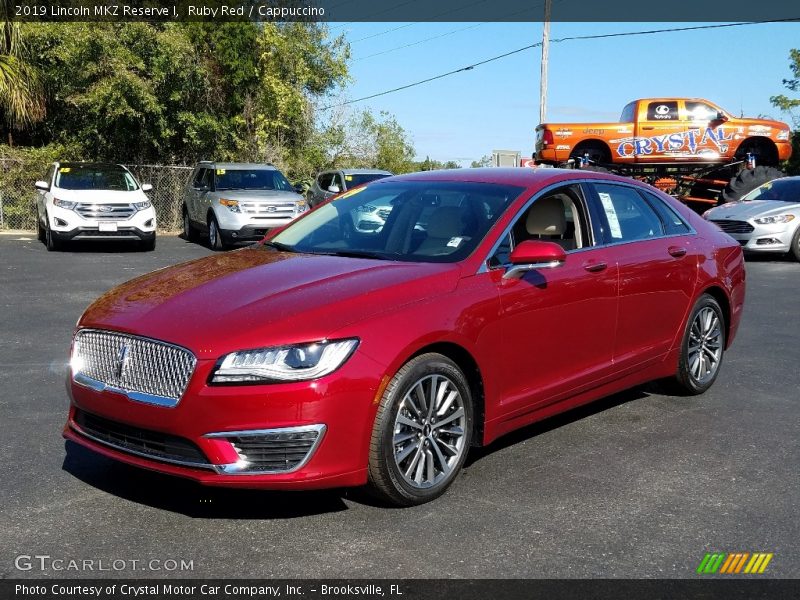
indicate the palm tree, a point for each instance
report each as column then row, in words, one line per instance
column 21, row 97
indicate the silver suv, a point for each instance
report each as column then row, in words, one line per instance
column 237, row 202
column 329, row 183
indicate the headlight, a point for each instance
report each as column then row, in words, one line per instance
column 142, row 205
column 774, row 219
column 64, row 203
column 284, row 363
column 233, row 205
column 301, row 206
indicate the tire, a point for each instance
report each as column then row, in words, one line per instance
column 189, row 232
column 51, row 242
column 795, row 251
column 41, row 234
column 764, row 151
column 703, row 340
column 214, row 237
column 148, row 245
column 418, row 446
column 749, row 179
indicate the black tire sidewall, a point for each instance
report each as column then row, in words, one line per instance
column 216, row 241
column 795, row 248
column 684, row 376
column 430, row 364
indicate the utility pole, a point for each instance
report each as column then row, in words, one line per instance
column 545, row 58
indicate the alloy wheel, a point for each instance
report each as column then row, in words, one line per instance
column 429, row 431
column 705, row 345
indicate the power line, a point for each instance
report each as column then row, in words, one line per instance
column 564, row 39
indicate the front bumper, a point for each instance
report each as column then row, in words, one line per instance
column 243, row 227
column 766, row 238
column 66, row 224
column 340, row 407
column 94, row 233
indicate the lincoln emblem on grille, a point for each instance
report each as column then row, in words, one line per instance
column 122, row 360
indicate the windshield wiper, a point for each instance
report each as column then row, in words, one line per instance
column 281, row 247
column 364, row 254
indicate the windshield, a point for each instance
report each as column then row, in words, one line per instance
column 784, row 190
column 407, row 220
column 252, row 179
column 93, row 177
column 354, row 179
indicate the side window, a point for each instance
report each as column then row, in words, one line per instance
column 337, row 181
column 558, row 216
column 675, row 223
column 628, row 215
column 324, row 181
column 199, row 178
column 700, row 111
column 662, row 111
column 628, row 113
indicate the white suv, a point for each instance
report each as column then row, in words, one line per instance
column 238, row 202
column 93, row 201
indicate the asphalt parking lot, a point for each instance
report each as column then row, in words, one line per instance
column 640, row 484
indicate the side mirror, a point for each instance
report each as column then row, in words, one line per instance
column 533, row 254
column 333, row 188
column 721, row 117
column 299, row 189
column 42, row 185
column 146, row 187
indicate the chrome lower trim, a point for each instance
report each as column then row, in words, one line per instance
column 99, row 386
column 240, row 467
column 184, row 463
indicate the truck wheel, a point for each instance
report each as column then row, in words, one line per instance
column 598, row 153
column 749, row 179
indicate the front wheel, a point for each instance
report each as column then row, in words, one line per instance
column 702, row 347
column 796, row 245
column 214, row 235
column 422, row 431
column 51, row 242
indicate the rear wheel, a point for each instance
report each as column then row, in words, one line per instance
column 749, row 179
column 422, row 431
column 41, row 234
column 189, row 232
column 702, row 347
column 597, row 153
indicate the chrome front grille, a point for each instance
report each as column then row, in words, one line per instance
column 734, row 226
column 105, row 211
column 383, row 213
column 270, row 210
column 145, row 370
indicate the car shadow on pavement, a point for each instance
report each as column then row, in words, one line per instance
column 100, row 247
column 565, row 418
column 192, row 499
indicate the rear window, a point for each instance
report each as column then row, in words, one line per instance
column 89, row 177
column 662, row 111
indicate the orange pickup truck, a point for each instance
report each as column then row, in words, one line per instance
column 665, row 131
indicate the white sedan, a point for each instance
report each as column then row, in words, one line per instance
column 93, row 201
column 765, row 220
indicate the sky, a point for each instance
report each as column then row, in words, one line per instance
column 496, row 106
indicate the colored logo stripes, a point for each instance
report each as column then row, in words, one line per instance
column 730, row 563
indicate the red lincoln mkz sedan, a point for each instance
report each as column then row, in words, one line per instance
column 330, row 355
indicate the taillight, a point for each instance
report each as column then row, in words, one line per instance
column 547, row 138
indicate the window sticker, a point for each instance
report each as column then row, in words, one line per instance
column 64, row 170
column 348, row 178
column 220, row 171
column 611, row 214
column 455, row 242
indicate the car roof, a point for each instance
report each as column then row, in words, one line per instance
column 237, row 165
column 91, row 165
column 517, row 176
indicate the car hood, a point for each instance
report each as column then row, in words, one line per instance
column 259, row 297
column 259, row 195
column 99, row 196
column 741, row 211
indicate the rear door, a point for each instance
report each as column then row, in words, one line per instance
column 196, row 193
column 657, row 258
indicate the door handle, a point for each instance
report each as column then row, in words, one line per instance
column 676, row 251
column 647, row 128
column 595, row 267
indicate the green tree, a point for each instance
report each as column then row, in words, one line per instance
column 485, row 161
column 21, row 98
column 788, row 104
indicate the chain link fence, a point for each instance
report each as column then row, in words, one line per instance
column 18, row 194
